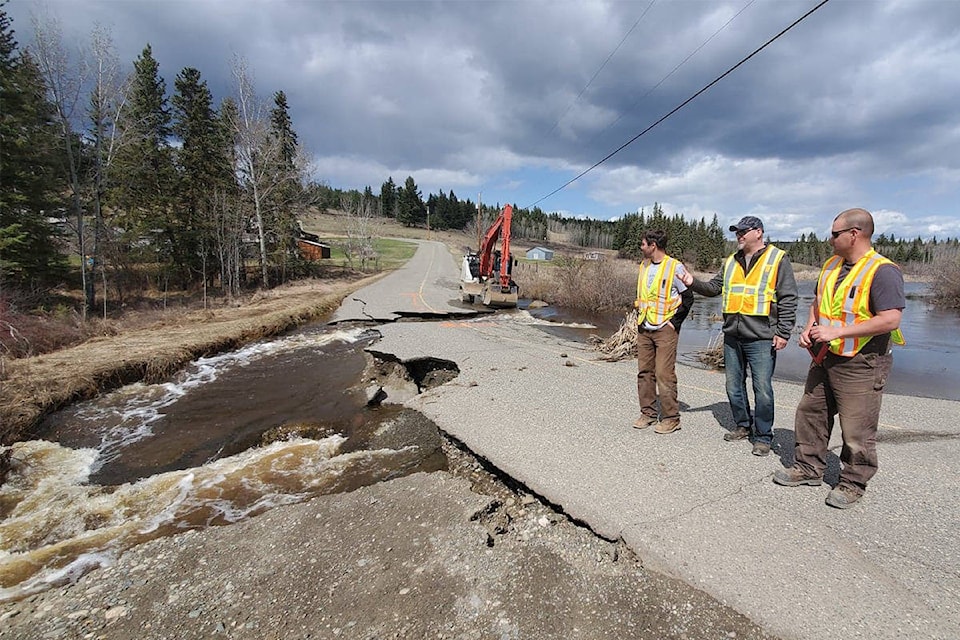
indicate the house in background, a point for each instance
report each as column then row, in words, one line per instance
column 540, row 253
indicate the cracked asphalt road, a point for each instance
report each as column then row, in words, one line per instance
column 697, row 507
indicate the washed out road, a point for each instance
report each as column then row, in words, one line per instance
column 412, row 557
column 427, row 285
column 552, row 416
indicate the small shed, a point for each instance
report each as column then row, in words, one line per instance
column 540, row 253
column 313, row 251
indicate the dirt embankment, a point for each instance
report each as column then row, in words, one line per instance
column 33, row 387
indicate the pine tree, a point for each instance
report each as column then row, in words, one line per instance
column 202, row 170
column 286, row 199
column 28, row 142
column 388, row 199
column 410, row 211
column 146, row 162
column 282, row 127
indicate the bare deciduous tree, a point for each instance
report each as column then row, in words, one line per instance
column 256, row 151
column 108, row 97
column 228, row 226
column 363, row 228
column 64, row 79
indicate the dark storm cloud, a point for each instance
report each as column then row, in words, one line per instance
column 859, row 93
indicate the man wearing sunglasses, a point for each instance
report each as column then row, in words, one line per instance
column 759, row 312
column 857, row 310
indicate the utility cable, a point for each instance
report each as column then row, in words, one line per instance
column 597, row 72
column 676, row 68
column 681, row 105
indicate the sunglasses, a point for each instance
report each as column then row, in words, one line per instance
column 836, row 234
column 744, row 232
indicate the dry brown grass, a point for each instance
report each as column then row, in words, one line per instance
column 33, row 387
column 601, row 285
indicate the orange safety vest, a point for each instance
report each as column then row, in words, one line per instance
column 751, row 294
column 849, row 302
column 657, row 305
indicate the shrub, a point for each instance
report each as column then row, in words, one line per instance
column 37, row 331
column 946, row 285
column 595, row 285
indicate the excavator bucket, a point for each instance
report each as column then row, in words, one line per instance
column 494, row 297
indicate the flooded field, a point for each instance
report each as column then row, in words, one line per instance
column 928, row 366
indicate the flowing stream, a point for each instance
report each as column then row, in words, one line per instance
column 152, row 460
column 232, row 435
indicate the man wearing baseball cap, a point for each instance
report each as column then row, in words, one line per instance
column 759, row 312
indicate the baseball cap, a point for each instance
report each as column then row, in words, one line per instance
column 746, row 223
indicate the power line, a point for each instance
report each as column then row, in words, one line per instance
column 674, row 70
column 682, row 104
column 597, row 72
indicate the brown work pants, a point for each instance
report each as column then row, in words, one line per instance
column 853, row 388
column 656, row 370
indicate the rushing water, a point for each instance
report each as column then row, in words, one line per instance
column 150, row 460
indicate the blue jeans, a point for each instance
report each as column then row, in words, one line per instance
column 761, row 359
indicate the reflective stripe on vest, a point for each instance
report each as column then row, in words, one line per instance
column 657, row 305
column 751, row 294
column 849, row 303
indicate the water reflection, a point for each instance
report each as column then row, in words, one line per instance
column 928, row 366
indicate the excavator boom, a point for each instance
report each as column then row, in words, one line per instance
column 487, row 273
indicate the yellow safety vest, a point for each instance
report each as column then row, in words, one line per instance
column 656, row 304
column 849, row 303
column 751, row 294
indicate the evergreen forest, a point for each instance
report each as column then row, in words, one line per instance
column 115, row 181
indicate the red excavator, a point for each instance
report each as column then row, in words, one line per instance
column 487, row 274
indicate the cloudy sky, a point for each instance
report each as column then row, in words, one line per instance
column 857, row 105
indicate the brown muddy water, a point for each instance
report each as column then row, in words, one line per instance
column 233, row 435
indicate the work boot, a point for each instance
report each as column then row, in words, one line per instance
column 643, row 422
column 761, row 449
column 842, row 497
column 740, row 433
column 792, row 477
column 668, row 426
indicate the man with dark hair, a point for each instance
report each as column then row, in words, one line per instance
column 662, row 303
column 759, row 311
column 856, row 311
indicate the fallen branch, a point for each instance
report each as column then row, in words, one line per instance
column 622, row 344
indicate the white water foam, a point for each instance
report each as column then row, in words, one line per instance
column 127, row 415
column 57, row 528
column 524, row 317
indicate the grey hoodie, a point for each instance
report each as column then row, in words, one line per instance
column 783, row 312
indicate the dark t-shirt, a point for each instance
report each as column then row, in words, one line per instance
column 886, row 292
